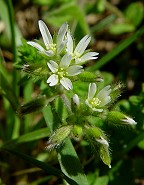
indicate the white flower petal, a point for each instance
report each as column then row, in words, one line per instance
column 87, row 103
column 47, row 38
column 104, row 92
column 89, row 56
column 49, row 53
column 129, row 120
column 69, row 43
column 61, row 33
column 102, row 141
column 76, row 99
column 74, row 70
column 105, row 101
column 82, row 45
column 66, row 83
column 97, row 110
column 61, row 46
column 52, row 80
column 92, row 90
column 53, row 66
column 61, row 41
column 65, row 61
column 36, row 45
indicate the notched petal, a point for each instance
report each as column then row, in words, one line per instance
column 52, row 80
column 66, row 83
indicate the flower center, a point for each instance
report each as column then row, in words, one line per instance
column 61, row 73
column 95, row 102
column 76, row 55
column 51, row 47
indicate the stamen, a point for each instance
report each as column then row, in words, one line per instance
column 95, row 102
column 76, row 55
column 51, row 47
column 61, row 73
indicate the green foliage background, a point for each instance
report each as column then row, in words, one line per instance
column 118, row 35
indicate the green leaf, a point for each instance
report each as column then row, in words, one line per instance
column 121, row 28
column 67, row 156
column 133, row 143
column 70, row 163
column 5, row 17
column 100, row 4
column 141, row 144
column 7, row 91
column 66, row 12
column 47, row 168
column 135, row 13
column 101, row 180
column 103, row 23
column 31, row 136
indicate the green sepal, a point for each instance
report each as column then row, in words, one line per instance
column 35, row 70
column 115, row 117
column 94, row 132
column 58, row 137
column 118, row 118
column 87, row 76
column 116, row 91
column 105, row 155
column 77, row 130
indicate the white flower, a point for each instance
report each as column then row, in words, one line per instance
column 62, row 71
column 78, row 53
column 50, row 48
column 129, row 120
column 96, row 101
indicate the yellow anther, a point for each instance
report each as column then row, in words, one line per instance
column 95, row 102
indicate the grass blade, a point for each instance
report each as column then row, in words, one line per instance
column 118, row 49
column 7, row 91
column 47, row 168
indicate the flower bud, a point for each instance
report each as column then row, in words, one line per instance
column 105, row 155
column 115, row 117
column 76, row 100
column 86, row 76
column 36, row 70
column 77, row 130
column 116, row 91
column 58, row 137
column 97, row 134
column 35, row 105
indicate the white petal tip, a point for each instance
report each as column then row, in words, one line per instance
column 129, row 121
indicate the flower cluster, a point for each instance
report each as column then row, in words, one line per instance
column 64, row 61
